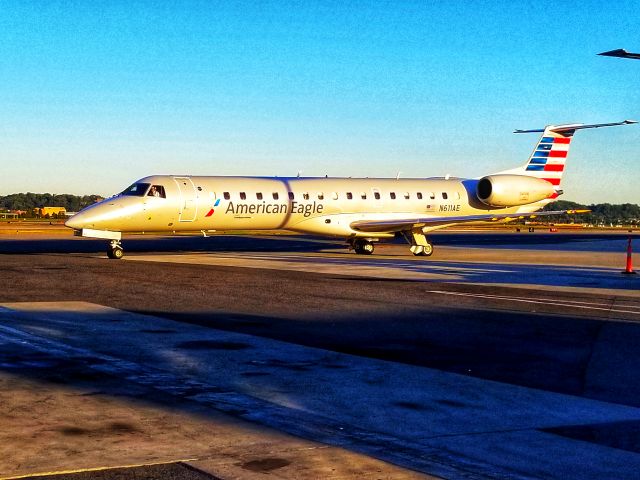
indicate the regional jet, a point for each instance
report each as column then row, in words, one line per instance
column 361, row 210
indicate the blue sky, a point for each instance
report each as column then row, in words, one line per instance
column 94, row 95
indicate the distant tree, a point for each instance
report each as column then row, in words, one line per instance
column 29, row 201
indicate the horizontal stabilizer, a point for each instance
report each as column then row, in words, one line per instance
column 399, row 225
column 575, row 126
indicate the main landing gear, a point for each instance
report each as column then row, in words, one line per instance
column 420, row 246
column 362, row 246
column 115, row 250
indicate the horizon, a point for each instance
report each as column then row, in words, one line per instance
column 95, row 97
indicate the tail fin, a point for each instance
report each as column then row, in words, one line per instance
column 550, row 155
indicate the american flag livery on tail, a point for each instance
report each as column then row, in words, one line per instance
column 548, row 159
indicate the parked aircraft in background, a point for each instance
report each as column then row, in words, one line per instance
column 361, row 210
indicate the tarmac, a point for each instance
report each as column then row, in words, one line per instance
column 242, row 357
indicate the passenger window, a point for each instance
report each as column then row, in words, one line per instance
column 226, row 195
column 406, row 195
column 275, row 195
column 156, row 191
column 419, row 195
column 393, row 195
column 259, row 195
column 320, row 196
column 363, row 195
column 349, row 195
column 291, row 196
column 243, row 196
column 432, row 195
column 305, row 196
column 376, row 195
column 334, row 195
column 444, row 195
column 458, row 195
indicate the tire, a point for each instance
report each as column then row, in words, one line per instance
column 423, row 251
column 115, row 253
column 363, row 247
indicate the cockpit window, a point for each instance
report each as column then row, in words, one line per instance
column 137, row 189
column 157, row 191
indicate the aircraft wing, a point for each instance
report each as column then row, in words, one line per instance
column 399, row 225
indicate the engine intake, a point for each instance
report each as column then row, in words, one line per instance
column 512, row 190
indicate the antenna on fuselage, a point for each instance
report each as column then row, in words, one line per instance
column 299, row 172
column 398, row 175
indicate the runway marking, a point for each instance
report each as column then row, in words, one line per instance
column 564, row 303
column 97, row 469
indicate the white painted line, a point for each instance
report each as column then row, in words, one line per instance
column 568, row 303
column 577, row 302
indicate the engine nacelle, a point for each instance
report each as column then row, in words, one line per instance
column 512, row 190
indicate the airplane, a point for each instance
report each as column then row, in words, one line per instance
column 621, row 53
column 361, row 210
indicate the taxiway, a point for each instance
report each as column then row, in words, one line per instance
column 239, row 356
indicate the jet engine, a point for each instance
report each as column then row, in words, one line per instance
column 512, row 190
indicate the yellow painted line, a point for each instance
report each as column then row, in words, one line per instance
column 97, row 469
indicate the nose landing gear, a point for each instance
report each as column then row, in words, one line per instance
column 115, row 250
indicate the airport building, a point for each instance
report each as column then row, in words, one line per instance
column 50, row 212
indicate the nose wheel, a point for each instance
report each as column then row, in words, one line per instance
column 115, row 251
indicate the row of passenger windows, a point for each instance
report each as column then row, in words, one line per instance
column 349, row 195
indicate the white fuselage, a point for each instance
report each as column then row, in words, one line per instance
column 325, row 206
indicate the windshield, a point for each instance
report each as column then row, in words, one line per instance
column 137, row 189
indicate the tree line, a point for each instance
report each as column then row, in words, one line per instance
column 600, row 214
column 29, row 201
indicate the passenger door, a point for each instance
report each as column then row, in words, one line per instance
column 188, row 203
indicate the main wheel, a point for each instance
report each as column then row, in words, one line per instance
column 115, row 253
column 363, row 247
column 422, row 250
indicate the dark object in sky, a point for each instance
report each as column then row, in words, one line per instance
column 622, row 53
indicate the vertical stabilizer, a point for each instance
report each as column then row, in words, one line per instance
column 549, row 158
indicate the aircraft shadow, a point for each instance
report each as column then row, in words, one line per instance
column 178, row 244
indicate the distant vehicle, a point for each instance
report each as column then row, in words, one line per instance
column 361, row 210
column 621, row 53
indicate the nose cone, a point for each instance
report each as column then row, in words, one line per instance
column 76, row 222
